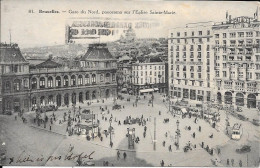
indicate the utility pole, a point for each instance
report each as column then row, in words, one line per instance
column 154, row 141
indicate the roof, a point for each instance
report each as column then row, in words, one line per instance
column 98, row 52
column 48, row 64
column 11, row 53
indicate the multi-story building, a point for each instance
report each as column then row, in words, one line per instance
column 191, row 60
column 51, row 83
column 216, row 61
column 124, row 73
column 149, row 74
column 237, row 61
column 14, row 79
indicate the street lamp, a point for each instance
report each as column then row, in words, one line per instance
column 177, row 135
column 110, row 130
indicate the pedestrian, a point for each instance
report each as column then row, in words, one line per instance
column 118, row 155
column 166, row 134
column 240, row 163
column 207, row 148
column 144, row 134
column 202, row 144
column 50, row 127
column 15, row 117
column 124, row 155
column 219, row 151
column 170, row 148
column 163, row 143
column 232, row 162
column 119, row 123
column 162, row 163
column 194, row 134
column 227, row 162
column 199, row 128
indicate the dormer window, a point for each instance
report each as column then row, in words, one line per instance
column 14, row 54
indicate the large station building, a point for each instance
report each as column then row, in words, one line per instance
column 49, row 83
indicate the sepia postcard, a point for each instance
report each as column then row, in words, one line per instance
column 129, row 83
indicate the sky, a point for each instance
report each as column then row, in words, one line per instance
column 46, row 29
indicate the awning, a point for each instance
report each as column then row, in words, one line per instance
column 146, row 90
column 156, row 89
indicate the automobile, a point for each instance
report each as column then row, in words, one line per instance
column 244, row 149
column 241, row 117
column 116, row 107
column 50, row 108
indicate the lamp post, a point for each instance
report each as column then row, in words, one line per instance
column 177, row 135
column 110, row 130
column 169, row 98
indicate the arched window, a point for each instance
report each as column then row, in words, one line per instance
column 34, row 102
column 80, row 80
column 113, row 77
column 87, row 80
column 101, row 78
column 7, row 85
column 93, row 78
column 73, row 80
column 50, row 99
column 66, row 81
column 107, row 77
column 50, row 82
column 42, row 82
column 34, row 83
column 58, row 81
column 16, row 85
column 42, row 101
column 25, row 83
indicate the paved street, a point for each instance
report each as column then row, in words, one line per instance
column 17, row 136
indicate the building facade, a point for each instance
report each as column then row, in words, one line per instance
column 149, row 74
column 216, row 61
column 124, row 73
column 51, row 84
column 191, row 60
column 14, row 80
column 237, row 61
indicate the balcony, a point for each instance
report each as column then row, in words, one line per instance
column 191, row 49
column 227, row 86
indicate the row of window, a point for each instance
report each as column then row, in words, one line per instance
column 192, row 33
column 145, row 67
column 191, row 83
column 17, row 84
column 186, row 41
column 146, row 73
column 14, row 68
column 191, row 48
column 50, row 82
column 237, row 34
column 148, row 80
column 233, row 74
